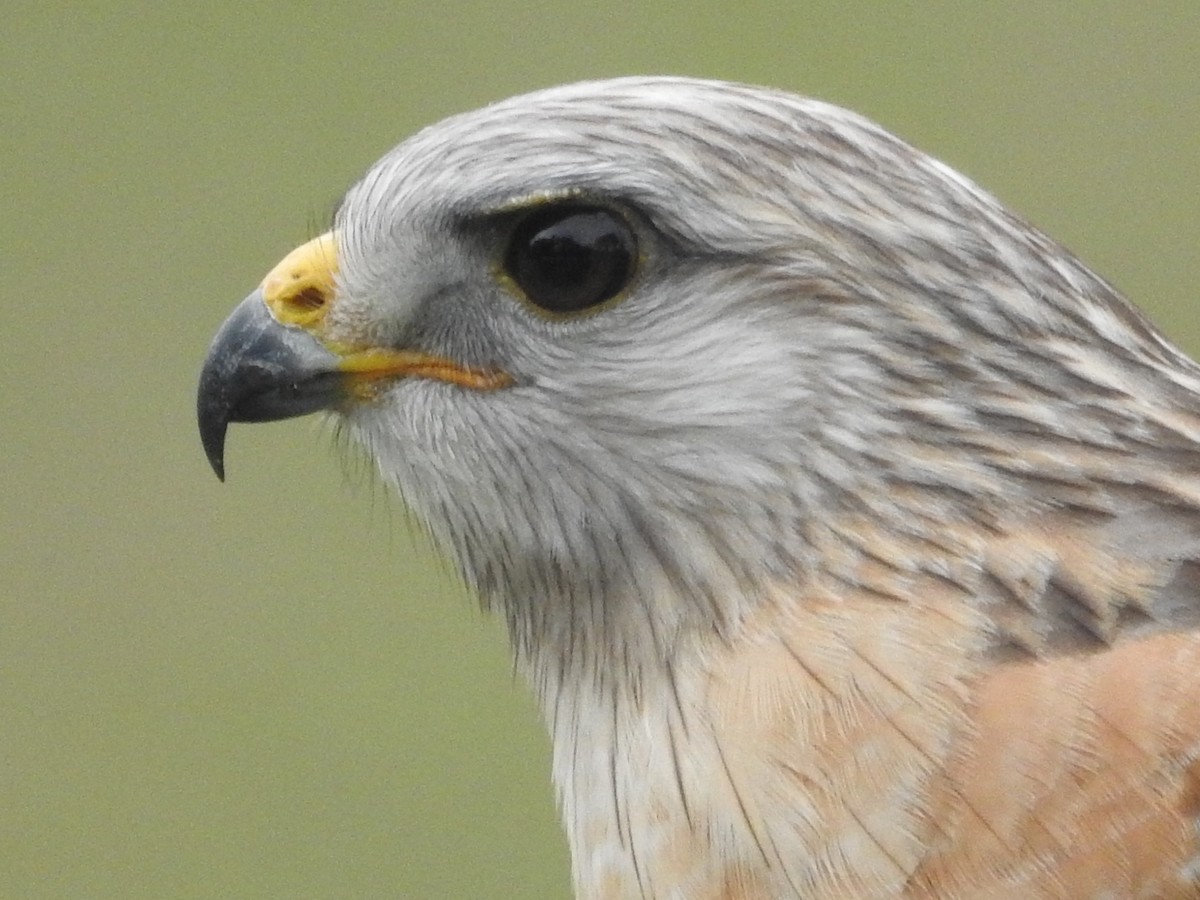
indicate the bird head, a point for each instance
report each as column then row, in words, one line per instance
column 630, row 348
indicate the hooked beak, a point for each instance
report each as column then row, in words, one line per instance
column 271, row 360
column 258, row 370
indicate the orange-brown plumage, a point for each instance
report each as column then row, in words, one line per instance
column 940, row 737
column 1077, row 776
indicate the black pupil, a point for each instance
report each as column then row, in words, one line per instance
column 568, row 258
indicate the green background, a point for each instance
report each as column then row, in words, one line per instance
column 272, row 689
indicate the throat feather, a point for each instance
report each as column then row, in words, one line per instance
column 764, row 762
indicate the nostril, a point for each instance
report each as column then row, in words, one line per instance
column 303, row 306
column 311, row 299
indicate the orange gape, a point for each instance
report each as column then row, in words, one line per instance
column 1108, row 743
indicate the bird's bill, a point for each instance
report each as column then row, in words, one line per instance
column 258, row 370
column 270, row 359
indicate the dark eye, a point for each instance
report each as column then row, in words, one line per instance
column 568, row 258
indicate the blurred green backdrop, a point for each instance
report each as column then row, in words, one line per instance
column 272, row 689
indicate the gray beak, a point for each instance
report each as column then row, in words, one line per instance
column 258, row 370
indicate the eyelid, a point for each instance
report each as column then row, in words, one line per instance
column 524, row 203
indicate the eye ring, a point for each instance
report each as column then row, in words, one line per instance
column 570, row 257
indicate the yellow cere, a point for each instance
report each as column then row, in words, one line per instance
column 299, row 289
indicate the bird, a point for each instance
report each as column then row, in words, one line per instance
column 846, row 527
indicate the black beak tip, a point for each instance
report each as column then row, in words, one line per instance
column 213, row 420
column 216, row 459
